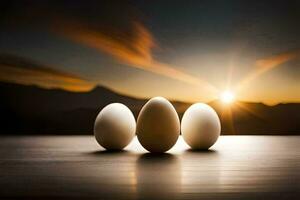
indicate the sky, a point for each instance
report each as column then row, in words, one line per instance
column 183, row 50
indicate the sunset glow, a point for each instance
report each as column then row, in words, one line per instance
column 227, row 97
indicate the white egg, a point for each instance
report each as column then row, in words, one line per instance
column 114, row 126
column 158, row 125
column 200, row 126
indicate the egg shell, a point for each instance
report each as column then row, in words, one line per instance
column 158, row 125
column 200, row 126
column 114, row 126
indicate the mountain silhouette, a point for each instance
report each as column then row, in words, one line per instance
column 34, row 110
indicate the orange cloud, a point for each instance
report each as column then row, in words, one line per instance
column 264, row 65
column 133, row 50
column 15, row 70
column 268, row 63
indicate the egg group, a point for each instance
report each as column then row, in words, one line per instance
column 200, row 126
column 157, row 127
column 114, row 127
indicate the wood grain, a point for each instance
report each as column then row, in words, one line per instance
column 76, row 167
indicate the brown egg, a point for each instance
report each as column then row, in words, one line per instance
column 158, row 125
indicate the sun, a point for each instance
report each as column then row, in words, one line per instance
column 227, row 97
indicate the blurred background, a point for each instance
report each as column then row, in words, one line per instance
column 61, row 62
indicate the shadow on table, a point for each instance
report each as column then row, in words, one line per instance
column 107, row 152
column 158, row 176
column 202, row 151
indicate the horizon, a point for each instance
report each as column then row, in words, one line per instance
column 146, row 98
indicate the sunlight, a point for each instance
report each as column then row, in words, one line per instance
column 227, row 97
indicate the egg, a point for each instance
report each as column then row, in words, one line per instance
column 114, row 126
column 200, row 126
column 158, row 125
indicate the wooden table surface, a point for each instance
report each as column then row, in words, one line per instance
column 71, row 167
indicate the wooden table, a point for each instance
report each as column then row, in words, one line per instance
column 71, row 167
